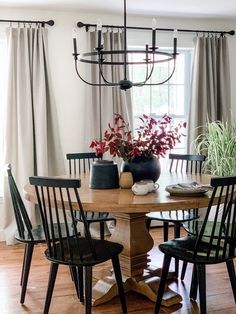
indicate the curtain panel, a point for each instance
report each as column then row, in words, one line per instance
column 29, row 136
column 210, row 89
column 113, row 100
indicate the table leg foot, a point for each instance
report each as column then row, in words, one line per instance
column 106, row 289
column 149, row 287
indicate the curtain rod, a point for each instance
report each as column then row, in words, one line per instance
column 50, row 22
column 232, row 32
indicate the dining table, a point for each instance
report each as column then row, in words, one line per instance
column 130, row 210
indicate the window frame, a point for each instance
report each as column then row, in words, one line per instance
column 188, row 52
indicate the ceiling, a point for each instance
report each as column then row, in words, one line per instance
column 178, row 8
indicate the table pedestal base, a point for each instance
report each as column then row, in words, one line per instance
column 138, row 275
column 105, row 289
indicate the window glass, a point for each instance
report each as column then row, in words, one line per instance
column 171, row 97
column 141, row 98
column 160, row 99
column 176, row 100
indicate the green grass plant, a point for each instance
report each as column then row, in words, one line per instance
column 218, row 143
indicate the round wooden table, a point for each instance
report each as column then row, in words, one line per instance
column 129, row 211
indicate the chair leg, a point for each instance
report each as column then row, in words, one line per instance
column 165, row 230
column 25, row 269
column 81, row 283
column 148, row 223
column 176, row 230
column 184, row 267
column 164, row 274
column 23, row 264
column 88, row 289
column 232, row 276
column 51, row 283
column 77, row 277
column 116, row 268
column 194, row 284
column 89, row 224
column 201, row 275
column 72, row 273
column 102, row 230
column 176, row 235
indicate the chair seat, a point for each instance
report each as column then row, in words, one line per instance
column 194, row 227
column 104, row 250
column 37, row 233
column 174, row 215
column 39, row 236
column 96, row 217
column 183, row 249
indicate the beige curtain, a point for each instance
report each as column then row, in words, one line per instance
column 210, row 91
column 113, row 100
column 29, row 130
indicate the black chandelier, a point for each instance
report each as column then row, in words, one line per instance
column 151, row 55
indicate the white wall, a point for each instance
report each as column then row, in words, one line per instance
column 69, row 91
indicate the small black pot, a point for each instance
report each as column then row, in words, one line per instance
column 104, row 175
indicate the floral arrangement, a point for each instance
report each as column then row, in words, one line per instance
column 152, row 138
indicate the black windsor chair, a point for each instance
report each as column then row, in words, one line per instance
column 26, row 233
column 82, row 252
column 179, row 163
column 215, row 243
column 81, row 163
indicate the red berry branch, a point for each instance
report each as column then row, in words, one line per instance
column 152, row 138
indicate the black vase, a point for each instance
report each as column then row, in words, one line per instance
column 143, row 168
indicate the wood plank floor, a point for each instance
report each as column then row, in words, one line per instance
column 219, row 294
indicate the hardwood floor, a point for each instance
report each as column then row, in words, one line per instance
column 219, row 294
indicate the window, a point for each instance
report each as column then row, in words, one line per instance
column 171, row 98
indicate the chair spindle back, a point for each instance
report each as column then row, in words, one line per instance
column 220, row 242
column 57, row 197
column 81, row 162
column 186, row 163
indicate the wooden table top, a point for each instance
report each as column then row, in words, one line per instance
column 124, row 201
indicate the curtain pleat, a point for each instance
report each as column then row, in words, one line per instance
column 210, row 89
column 27, row 136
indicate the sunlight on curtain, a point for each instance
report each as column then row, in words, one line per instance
column 3, row 88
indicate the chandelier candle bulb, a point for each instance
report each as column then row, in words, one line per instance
column 175, row 42
column 74, row 35
column 99, row 30
column 99, row 25
column 153, row 39
column 175, row 35
column 146, row 52
column 154, row 24
column 102, row 39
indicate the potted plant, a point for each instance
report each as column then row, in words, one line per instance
column 140, row 151
column 218, row 143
